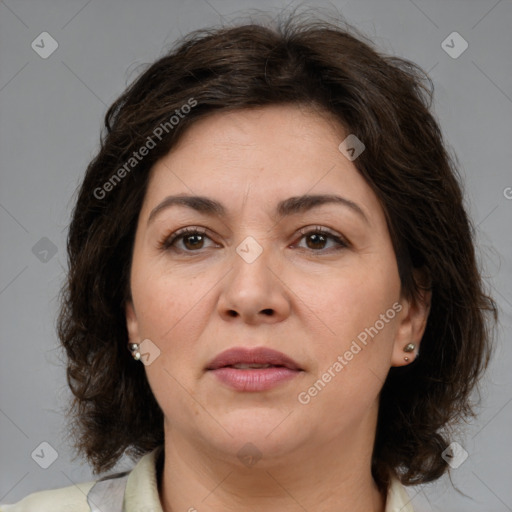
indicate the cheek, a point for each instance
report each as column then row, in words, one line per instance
column 171, row 312
column 160, row 298
column 343, row 304
column 355, row 321
column 167, row 315
column 351, row 364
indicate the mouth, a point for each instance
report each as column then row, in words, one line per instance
column 258, row 369
column 242, row 358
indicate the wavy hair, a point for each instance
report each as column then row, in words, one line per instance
column 386, row 102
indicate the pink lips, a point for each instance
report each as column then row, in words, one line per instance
column 282, row 368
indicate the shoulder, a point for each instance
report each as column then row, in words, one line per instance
column 64, row 499
column 137, row 489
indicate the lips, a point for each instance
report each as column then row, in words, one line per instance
column 245, row 358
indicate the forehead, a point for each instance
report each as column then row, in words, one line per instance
column 269, row 153
column 268, row 125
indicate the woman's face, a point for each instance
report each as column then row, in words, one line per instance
column 257, row 275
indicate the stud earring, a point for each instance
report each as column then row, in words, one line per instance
column 134, row 349
column 409, row 348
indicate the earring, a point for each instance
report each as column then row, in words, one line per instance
column 134, row 349
column 409, row 348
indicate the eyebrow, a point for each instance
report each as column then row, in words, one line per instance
column 287, row 207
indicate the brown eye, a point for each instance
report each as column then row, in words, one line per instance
column 316, row 239
column 192, row 240
column 196, row 241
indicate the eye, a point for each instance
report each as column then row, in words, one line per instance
column 319, row 236
column 192, row 238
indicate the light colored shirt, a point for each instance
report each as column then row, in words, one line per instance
column 140, row 490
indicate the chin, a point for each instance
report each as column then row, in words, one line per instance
column 259, row 435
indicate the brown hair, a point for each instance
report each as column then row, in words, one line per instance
column 385, row 101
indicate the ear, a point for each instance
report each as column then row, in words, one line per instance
column 412, row 323
column 132, row 324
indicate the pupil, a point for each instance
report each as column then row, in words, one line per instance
column 317, row 236
column 187, row 239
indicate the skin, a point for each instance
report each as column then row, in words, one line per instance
column 305, row 297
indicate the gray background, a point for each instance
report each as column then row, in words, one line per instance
column 51, row 112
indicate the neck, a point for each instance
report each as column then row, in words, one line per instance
column 332, row 476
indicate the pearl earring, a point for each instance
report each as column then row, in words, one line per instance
column 409, row 348
column 134, row 349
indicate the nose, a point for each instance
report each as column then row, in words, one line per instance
column 254, row 291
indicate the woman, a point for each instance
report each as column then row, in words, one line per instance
column 275, row 231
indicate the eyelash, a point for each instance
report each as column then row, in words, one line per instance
column 169, row 240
